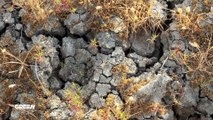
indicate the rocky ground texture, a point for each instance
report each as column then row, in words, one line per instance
column 79, row 76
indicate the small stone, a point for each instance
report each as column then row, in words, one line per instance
column 107, row 67
column 155, row 88
column 105, row 40
column 80, row 43
column 125, row 44
column 175, row 35
column 103, row 79
column 170, row 63
column 157, row 66
column 55, row 83
column 190, row 97
column 62, row 94
column 73, row 72
column 141, row 61
column 21, row 98
column 69, row 60
column 102, row 57
column 29, row 31
column 18, row 26
column 93, row 50
column 97, row 74
column 178, row 44
column 15, row 114
column 103, row 89
column 83, row 14
column 21, row 12
column 2, row 25
column 96, row 101
column 76, row 25
column 68, row 47
column 115, row 92
column 82, row 56
column 115, row 81
column 165, row 38
column 53, row 102
column 87, row 90
column 79, row 29
column 54, row 27
column 132, row 68
column 141, row 45
column 118, row 54
column 205, row 106
column 72, row 19
column 7, row 18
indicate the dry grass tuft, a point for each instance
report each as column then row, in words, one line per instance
column 137, row 14
column 16, row 78
column 193, row 25
column 37, row 11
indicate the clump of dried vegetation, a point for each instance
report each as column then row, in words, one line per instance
column 36, row 11
column 137, row 14
column 193, row 26
column 16, row 77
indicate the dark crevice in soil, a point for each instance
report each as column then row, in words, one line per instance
column 42, row 32
column 23, row 34
column 3, row 31
column 200, row 93
column 139, row 71
column 158, row 53
column 86, row 37
column 74, row 36
column 184, row 77
column 175, row 112
column 128, row 51
column 171, row 6
column 197, row 116
column 15, row 15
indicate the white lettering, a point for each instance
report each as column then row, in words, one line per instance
column 24, row 106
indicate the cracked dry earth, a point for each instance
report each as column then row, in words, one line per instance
column 70, row 63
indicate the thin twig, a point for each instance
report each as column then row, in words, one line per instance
column 164, row 62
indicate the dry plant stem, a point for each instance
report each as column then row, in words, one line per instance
column 37, row 76
column 22, row 63
column 203, row 60
column 31, row 79
column 164, row 62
